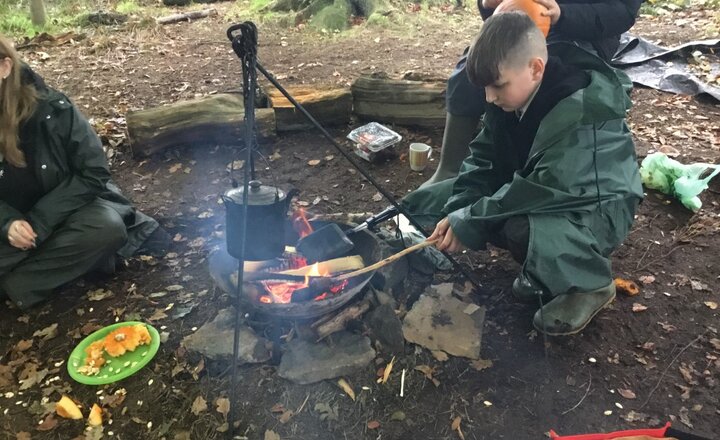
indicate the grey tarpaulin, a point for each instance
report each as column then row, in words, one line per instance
column 667, row 69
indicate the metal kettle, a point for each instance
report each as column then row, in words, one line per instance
column 266, row 220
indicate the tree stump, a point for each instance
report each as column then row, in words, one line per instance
column 413, row 100
column 327, row 106
column 212, row 120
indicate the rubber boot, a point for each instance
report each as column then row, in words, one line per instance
column 459, row 132
column 570, row 313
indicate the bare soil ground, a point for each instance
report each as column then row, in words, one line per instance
column 628, row 369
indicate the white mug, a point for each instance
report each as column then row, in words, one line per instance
column 418, row 156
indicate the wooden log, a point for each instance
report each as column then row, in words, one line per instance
column 328, row 106
column 410, row 101
column 186, row 16
column 211, row 120
column 325, row 328
column 329, row 267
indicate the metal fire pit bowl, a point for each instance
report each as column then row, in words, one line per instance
column 366, row 245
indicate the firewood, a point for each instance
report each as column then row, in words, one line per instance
column 329, row 106
column 337, row 323
column 329, row 267
column 212, row 120
column 187, row 16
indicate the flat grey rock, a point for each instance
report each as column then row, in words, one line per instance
column 308, row 362
column 446, row 324
column 215, row 340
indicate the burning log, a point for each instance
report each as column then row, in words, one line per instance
column 212, row 120
column 413, row 100
column 329, row 267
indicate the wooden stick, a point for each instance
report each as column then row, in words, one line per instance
column 386, row 261
column 339, row 321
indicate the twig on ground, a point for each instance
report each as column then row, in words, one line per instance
column 303, row 404
column 661, row 258
column 643, row 256
column 669, row 365
column 587, row 391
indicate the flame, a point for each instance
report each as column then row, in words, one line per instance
column 300, row 223
column 280, row 292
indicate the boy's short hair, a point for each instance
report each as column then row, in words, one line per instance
column 509, row 39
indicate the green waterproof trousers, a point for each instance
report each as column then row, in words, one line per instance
column 87, row 240
column 565, row 255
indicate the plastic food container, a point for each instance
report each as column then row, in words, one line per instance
column 372, row 138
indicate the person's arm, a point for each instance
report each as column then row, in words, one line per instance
column 87, row 169
column 592, row 21
column 480, row 177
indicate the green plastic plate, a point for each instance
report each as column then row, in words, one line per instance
column 115, row 368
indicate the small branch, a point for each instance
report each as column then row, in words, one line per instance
column 661, row 258
column 187, row 16
column 637, row 266
column 587, row 391
column 669, row 365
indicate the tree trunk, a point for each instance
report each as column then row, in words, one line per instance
column 37, row 12
column 212, row 120
column 418, row 101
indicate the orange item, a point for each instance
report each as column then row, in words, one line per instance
column 627, row 287
column 121, row 340
column 531, row 8
column 655, row 434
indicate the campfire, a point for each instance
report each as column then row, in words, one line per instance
column 293, row 265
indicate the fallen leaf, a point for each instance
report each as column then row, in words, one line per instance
column 23, row 345
column 48, row 424
column 398, row 416
column 235, row 165
column 174, row 168
column 428, row 372
column 377, row 197
column 32, row 377
column 329, row 157
column 456, row 427
column 715, row 342
column 387, row 371
column 647, row 279
column 314, row 162
column 223, row 406
column 99, row 294
column 373, row 424
column 628, row 394
column 278, row 408
column 271, row 435
column 684, row 417
column 199, row 405
column 275, row 156
column 286, row 416
column 711, row 304
column 48, row 332
column 697, row 285
column 347, row 388
column 637, row 307
column 481, row 364
column 22, row 435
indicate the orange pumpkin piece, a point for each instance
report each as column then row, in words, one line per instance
column 121, row 340
column 68, row 409
column 143, row 333
column 531, row 8
column 627, row 287
column 95, row 417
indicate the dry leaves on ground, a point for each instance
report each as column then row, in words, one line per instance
column 199, row 405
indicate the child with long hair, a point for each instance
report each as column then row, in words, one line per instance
column 60, row 216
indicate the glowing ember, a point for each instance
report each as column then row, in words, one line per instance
column 300, row 223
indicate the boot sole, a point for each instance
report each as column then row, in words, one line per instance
column 582, row 327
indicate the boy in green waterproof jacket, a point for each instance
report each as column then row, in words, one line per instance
column 552, row 177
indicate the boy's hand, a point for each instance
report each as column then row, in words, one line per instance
column 21, row 235
column 447, row 241
column 491, row 4
column 553, row 10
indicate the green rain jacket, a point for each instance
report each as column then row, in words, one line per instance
column 71, row 168
column 579, row 186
